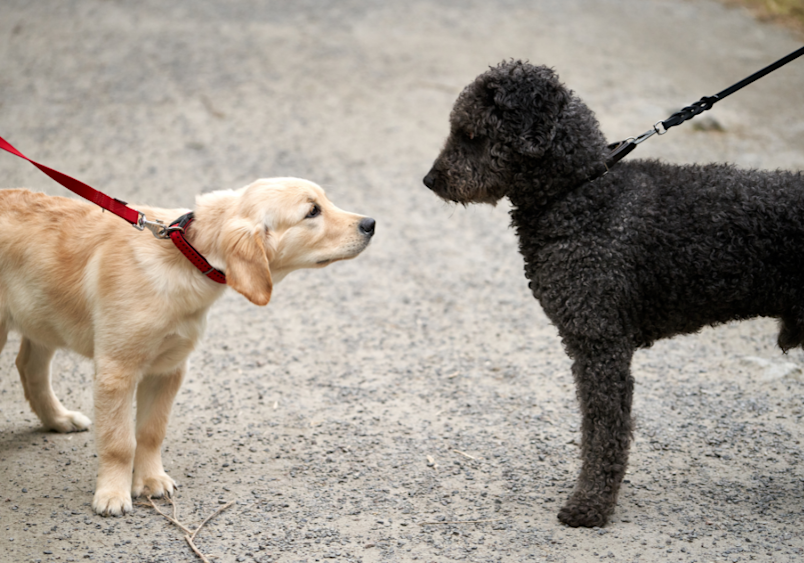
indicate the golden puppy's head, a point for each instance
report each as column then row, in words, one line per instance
column 272, row 227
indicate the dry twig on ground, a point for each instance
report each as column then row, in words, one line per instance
column 189, row 535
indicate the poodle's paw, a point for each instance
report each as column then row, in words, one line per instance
column 68, row 421
column 111, row 502
column 157, row 485
column 585, row 511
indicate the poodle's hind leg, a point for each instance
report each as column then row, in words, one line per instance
column 605, row 390
column 791, row 332
column 33, row 364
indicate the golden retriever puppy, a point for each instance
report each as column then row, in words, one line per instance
column 74, row 277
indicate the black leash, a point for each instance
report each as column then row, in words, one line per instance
column 620, row 150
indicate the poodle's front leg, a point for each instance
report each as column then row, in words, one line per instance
column 605, row 389
column 114, row 435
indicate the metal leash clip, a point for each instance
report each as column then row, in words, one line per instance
column 659, row 127
column 157, row 228
column 649, row 133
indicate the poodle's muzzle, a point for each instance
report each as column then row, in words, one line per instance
column 436, row 183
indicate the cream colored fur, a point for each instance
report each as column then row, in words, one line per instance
column 74, row 277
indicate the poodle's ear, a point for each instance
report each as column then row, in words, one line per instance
column 247, row 269
column 530, row 99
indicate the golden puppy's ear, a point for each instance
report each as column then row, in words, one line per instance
column 247, row 268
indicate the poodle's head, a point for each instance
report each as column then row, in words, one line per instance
column 500, row 125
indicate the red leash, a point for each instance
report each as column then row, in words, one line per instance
column 174, row 231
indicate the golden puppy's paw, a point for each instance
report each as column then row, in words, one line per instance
column 111, row 502
column 158, row 485
column 68, row 421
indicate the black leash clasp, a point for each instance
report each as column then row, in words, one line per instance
column 618, row 151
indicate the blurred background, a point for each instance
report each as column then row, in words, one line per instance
column 377, row 404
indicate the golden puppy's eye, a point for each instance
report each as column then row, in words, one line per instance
column 315, row 211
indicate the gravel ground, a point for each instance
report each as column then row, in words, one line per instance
column 377, row 406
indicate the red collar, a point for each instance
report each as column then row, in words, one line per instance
column 176, row 232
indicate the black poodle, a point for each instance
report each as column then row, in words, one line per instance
column 645, row 251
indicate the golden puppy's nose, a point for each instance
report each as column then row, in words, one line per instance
column 367, row 226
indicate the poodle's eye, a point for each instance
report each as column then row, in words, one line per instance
column 471, row 135
column 315, row 211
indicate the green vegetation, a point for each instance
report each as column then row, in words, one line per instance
column 787, row 12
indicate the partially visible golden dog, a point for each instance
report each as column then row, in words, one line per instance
column 73, row 277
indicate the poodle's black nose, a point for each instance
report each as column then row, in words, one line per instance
column 367, row 226
column 429, row 180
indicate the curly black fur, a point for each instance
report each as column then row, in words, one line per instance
column 647, row 251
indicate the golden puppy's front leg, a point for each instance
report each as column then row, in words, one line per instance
column 114, row 434
column 155, row 395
